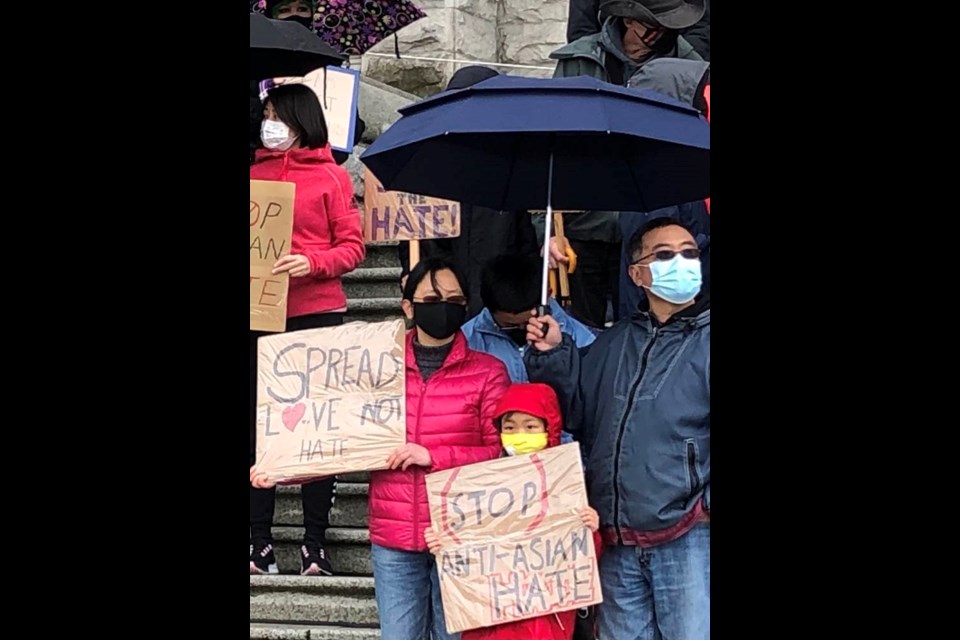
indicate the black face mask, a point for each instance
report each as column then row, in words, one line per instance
column 517, row 334
column 307, row 22
column 439, row 320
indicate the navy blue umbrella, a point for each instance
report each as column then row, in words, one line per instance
column 573, row 143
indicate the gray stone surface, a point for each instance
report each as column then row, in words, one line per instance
column 349, row 550
column 261, row 631
column 313, row 599
column 376, row 282
column 378, row 104
column 349, row 508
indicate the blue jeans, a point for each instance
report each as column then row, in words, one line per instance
column 407, row 588
column 660, row 593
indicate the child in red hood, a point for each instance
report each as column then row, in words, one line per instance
column 528, row 417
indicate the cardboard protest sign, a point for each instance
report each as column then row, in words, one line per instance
column 395, row 215
column 330, row 400
column 338, row 90
column 271, row 224
column 514, row 546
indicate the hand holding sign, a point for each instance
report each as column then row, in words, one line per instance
column 409, row 454
column 295, row 264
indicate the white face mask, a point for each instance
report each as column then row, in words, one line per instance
column 276, row 135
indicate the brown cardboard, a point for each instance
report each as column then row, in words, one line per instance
column 394, row 215
column 514, row 546
column 330, row 400
column 271, row 225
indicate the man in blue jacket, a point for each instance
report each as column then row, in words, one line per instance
column 510, row 289
column 638, row 400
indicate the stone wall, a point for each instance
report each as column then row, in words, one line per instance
column 508, row 31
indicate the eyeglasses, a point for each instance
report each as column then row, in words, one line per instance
column 669, row 254
column 460, row 300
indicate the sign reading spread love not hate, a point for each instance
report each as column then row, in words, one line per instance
column 271, row 225
column 396, row 215
column 330, row 400
column 514, row 546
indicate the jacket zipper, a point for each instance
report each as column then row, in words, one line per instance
column 623, row 424
column 416, row 469
column 692, row 469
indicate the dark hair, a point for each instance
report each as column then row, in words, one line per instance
column 636, row 240
column 430, row 266
column 511, row 283
column 299, row 108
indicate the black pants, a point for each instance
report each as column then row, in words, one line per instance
column 596, row 279
column 317, row 496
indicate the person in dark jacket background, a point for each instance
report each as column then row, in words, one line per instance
column 484, row 233
column 683, row 80
column 585, row 18
column 638, row 400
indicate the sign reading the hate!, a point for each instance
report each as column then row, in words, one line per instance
column 395, row 215
column 330, row 400
column 514, row 546
column 271, row 225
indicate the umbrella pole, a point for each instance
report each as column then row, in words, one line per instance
column 548, row 225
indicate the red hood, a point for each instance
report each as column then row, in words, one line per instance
column 536, row 399
column 297, row 157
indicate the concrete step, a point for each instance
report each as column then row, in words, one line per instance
column 381, row 255
column 373, row 309
column 375, row 282
column 349, row 507
column 344, row 601
column 262, row 631
column 349, row 550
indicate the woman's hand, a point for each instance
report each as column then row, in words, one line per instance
column 433, row 542
column 259, row 480
column 409, row 454
column 298, row 265
column 590, row 518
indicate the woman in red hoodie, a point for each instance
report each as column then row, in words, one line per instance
column 452, row 392
column 528, row 417
column 327, row 243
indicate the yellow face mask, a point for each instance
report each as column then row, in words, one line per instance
column 520, row 443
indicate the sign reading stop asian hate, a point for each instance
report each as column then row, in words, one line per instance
column 513, row 543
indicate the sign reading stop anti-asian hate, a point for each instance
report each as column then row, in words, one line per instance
column 396, row 215
column 514, row 546
column 271, row 225
column 330, row 401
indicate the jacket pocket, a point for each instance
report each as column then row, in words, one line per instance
column 693, row 466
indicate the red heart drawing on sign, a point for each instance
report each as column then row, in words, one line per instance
column 291, row 415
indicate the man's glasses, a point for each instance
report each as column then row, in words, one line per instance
column 669, row 254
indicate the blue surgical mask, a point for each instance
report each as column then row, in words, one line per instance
column 677, row 280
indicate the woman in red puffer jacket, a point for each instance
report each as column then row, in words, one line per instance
column 452, row 392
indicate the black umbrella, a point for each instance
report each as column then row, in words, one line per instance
column 284, row 48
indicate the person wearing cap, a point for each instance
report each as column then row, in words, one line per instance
column 585, row 18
